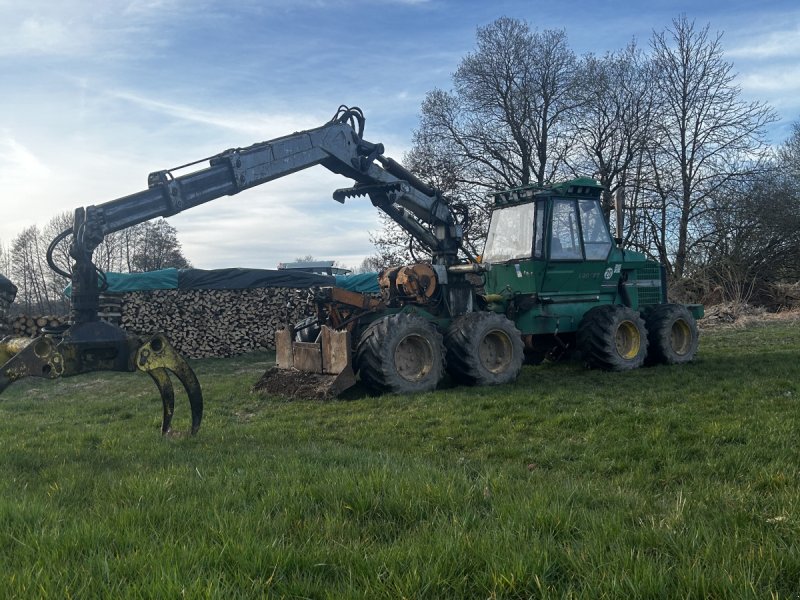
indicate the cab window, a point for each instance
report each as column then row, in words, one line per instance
column 596, row 238
column 565, row 236
column 510, row 234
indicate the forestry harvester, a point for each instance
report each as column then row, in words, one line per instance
column 553, row 280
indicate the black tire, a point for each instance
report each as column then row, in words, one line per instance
column 613, row 338
column 307, row 330
column 673, row 334
column 401, row 354
column 484, row 348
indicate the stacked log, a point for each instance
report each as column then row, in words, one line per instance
column 31, row 326
column 204, row 323
column 110, row 308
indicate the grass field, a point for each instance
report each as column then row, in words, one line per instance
column 667, row 482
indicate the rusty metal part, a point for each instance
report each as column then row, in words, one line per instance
column 340, row 308
column 100, row 346
column 415, row 283
column 353, row 299
column 418, row 281
column 386, row 283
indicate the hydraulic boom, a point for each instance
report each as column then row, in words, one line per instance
column 89, row 344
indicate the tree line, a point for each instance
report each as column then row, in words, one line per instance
column 707, row 195
column 146, row 247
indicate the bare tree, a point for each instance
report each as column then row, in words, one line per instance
column 112, row 254
column 756, row 240
column 29, row 271
column 789, row 154
column 613, row 127
column 707, row 138
column 393, row 245
column 156, row 247
column 55, row 226
column 504, row 124
column 372, row 263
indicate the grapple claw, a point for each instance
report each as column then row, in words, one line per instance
column 162, row 380
column 157, row 356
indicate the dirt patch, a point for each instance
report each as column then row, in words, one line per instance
column 293, row 384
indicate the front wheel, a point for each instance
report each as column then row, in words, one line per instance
column 673, row 334
column 484, row 348
column 613, row 338
column 402, row 354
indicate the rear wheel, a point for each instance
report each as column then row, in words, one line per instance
column 673, row 334
column 484, row 348
column 402, row 354
column 613, row 338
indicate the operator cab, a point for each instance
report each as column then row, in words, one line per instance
column 563, row 222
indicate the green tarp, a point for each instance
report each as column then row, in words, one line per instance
column 232, row 279
column 363, row 282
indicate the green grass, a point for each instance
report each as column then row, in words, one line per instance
column 667, row 482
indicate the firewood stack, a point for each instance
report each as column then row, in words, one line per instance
column 31, row 326
column 204, row 323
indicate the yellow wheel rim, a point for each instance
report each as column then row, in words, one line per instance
column 680, row 337
column 628, row 340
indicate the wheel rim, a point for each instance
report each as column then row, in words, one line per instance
column 627, row 340
column 413, row 357
column 496, row 351
column 681, row 337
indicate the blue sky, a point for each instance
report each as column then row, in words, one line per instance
column 95, row 95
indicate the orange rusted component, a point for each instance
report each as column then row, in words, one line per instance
column 354, row 299
column 417, row 281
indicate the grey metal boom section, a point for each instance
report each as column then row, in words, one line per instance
column 336, row 146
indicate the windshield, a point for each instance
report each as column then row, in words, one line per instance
column 596, row 239
column 510, row 234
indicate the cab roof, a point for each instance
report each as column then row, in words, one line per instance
column 582, row 187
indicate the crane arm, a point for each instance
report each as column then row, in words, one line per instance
column 337, row 145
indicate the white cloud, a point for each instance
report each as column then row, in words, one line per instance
column 272, row 125
column 18, row 162
column 784, row 43
column 772, row 80
column 277, row 223
column 87, row 29
column 37, row 35
column 23, row 175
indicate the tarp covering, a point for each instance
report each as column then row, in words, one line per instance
column 363, row 282
column 232, row 279
column 164, row 279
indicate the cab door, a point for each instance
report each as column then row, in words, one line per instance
column 579, row 244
